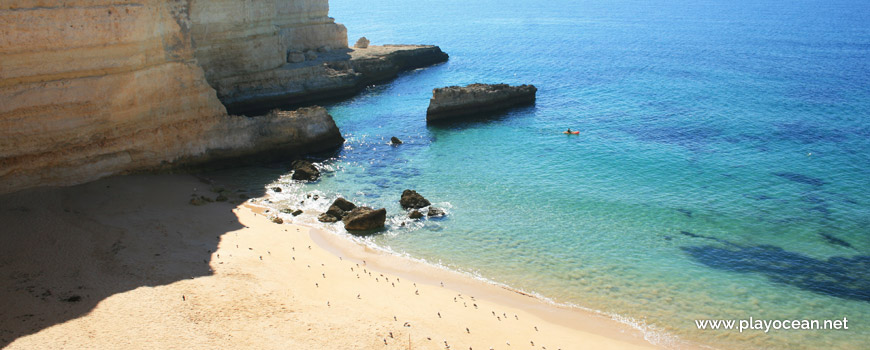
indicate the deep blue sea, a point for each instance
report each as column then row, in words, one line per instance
column 722, row 170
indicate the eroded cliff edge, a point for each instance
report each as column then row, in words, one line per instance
column 90, row 88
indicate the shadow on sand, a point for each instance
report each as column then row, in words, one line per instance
column 64, row 250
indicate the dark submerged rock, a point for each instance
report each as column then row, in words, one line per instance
column 395, row 141
column 413, row 200
column 416, row 214
column 365, row 218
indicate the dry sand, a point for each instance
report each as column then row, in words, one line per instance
column 126, row 262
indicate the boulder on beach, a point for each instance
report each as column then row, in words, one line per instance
column 413, row 200
column 362, row 43
column 364, row 219
column 336, row 212
column 276, row 189
column 339, row 209
column 297, row 212
column 277, row 220
column 476, row 99
column 416, row 214
column 343, row 204
column 304, row 170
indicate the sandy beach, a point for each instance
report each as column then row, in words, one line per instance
column 126, row 262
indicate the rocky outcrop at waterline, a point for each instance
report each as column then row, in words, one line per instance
column 354, row 218
column 365, row 219
column 412, row 200
column 332, row 74
column 457, row 101
column 337, row 210
column 304, row 170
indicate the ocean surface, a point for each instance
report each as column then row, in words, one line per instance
column 722, row 170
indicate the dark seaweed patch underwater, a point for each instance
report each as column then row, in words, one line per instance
column 842, row 277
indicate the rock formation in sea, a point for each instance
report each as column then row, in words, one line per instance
column 90, row 88
column 412, row 200
column 457, row 101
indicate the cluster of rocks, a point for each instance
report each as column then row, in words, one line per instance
column 413, row 201
column 294, row 212
column 366, row 219
column 354, row 218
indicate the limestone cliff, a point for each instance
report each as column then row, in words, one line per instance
column 236, row 38
column 90, row 88
column 333, row 74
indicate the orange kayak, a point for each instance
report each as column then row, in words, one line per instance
column 572, row 133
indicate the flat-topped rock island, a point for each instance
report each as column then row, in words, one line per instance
column 453, row 102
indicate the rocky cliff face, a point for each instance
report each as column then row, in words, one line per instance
column 237, row 38
column 90, row 88
column 332, row 74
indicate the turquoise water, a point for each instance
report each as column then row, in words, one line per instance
column 722, row 169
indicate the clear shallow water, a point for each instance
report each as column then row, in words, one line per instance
column 721, row 171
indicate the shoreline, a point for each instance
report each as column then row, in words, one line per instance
column 169, row 274
column 581, row 320
column 577, row 318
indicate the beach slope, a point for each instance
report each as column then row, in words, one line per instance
column 127, row 262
